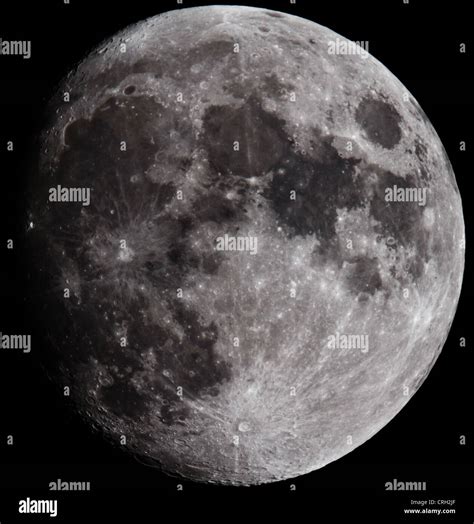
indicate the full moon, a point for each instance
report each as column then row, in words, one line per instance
column 249, row 243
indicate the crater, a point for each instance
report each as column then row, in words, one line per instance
column 380, row 121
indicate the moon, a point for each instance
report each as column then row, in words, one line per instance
column 249, row 243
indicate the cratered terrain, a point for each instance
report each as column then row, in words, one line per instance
column 248, row 240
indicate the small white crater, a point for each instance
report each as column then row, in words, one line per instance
column 244, row 427
column 125, row 254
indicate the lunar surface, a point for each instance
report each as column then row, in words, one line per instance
column 249, row 243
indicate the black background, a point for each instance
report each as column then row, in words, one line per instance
column 419, row 42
